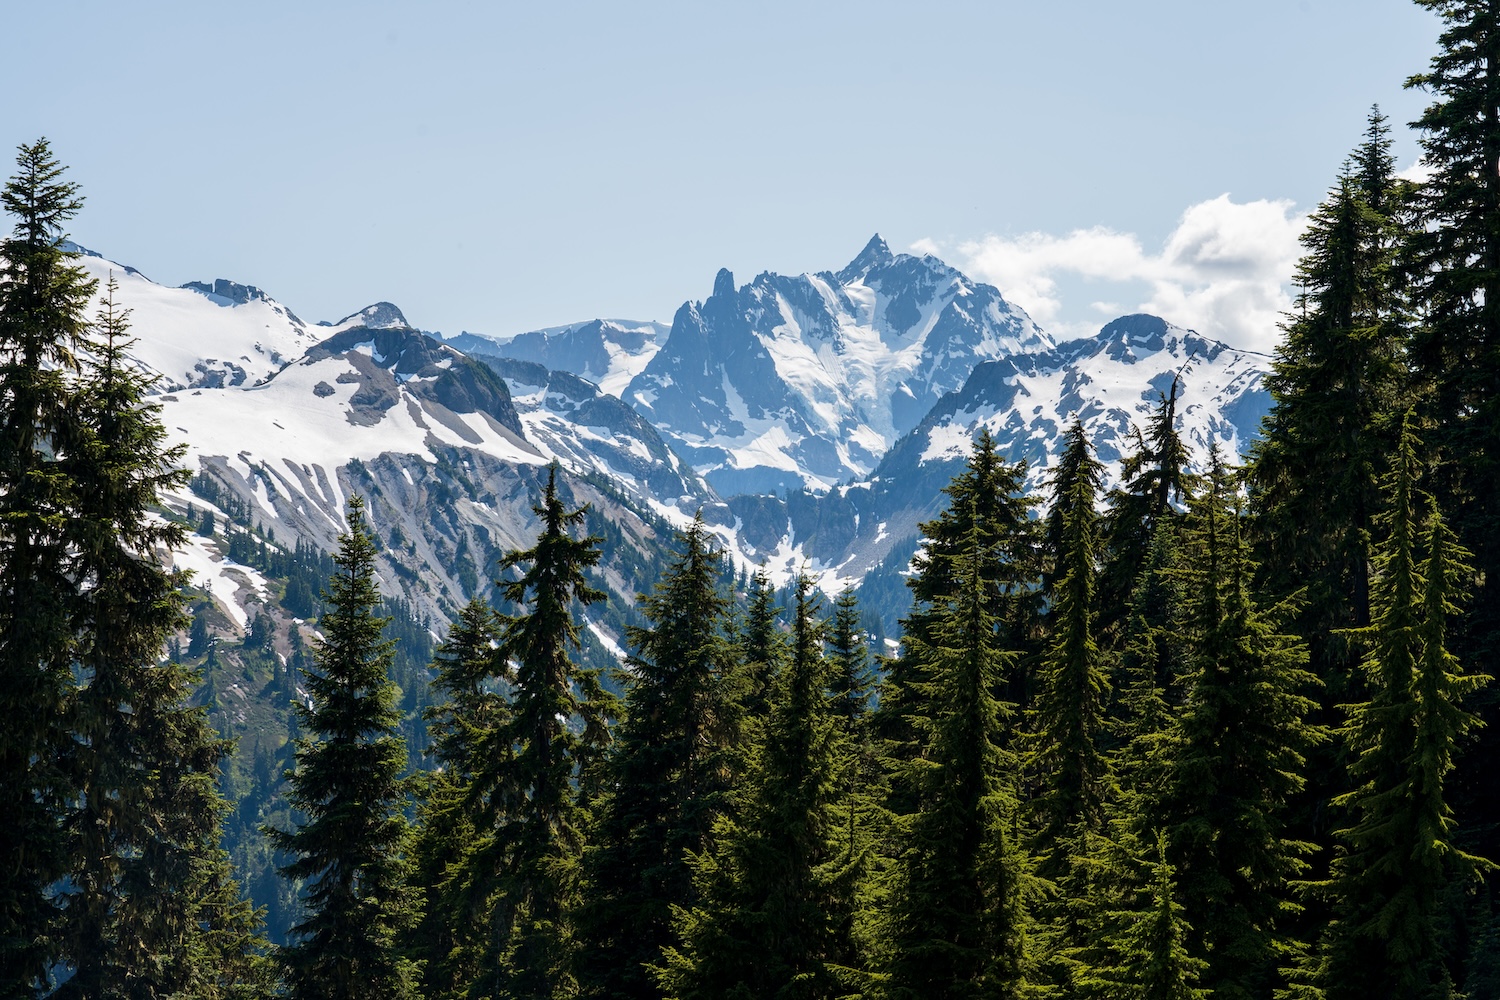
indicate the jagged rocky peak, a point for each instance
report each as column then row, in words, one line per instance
column 808, row 379
column 723, row 284
column 1138, row 328
column 875, row 254
column 400, row 348
column 227, row 292
column 380, row 316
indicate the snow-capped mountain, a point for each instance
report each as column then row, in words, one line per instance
column 607, row 352
column 1113, row 382
column 448, row 459
column 806, row 381
column 204, row 334
column 574, row 420
column 858, row 394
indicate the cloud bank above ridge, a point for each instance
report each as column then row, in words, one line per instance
column 1225, row 270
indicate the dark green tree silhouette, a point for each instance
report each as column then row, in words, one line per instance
column 777, row 889
column 143, row 827
column 1454, row 252
column 1236, row 757
column 669, row 776
column 448, row 939
column 1336, row 376
column 1155, row 482
column 43, row 296
column 1072, row 687
column 1399, row 857
column 349, row 850
column 529, row 809
column 956, row 923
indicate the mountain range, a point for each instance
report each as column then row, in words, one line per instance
column 812, row 419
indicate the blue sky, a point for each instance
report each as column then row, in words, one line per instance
column 498, row 167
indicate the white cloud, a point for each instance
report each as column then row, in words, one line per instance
column 1225, row 271
column 1419, row 172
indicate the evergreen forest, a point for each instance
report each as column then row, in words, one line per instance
column 1223, row 728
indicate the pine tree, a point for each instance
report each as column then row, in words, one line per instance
column 1153, row 960
column 447, row 939
column 668, row 777
column 850, row 679
column 956, row 920
column 1336, row 373
column 1154, row 484
column 467, row 672
column 1072, row 687
column 1454, row 251
column 43, row 295
column 1151, row 662
column 762, row 646
column 349, row 851
column 1399, row 856
column 863, row 791
column 987, row 506
column 1237, row 754
column 530, row 814
column 144, row 825
column 777, row 890
column 226, row 954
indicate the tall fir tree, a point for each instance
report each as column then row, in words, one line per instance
column 777, row 889
column 957, row 919
column 1454, row 253
column 447, row 938
column 1151, row 666
column 1154, row 960
column 465, row 679
column 144, row 826
column 530, row 814
column 43, row 296
column 1336, row 376
column 762, row 645
column 988, row 506
column 1072, row 687
column 349, row 850
column 669, row 776
column 850, row 679
column 1155, row 483
column 1237, row 753
column 1398, row 857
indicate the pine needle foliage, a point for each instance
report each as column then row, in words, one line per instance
column 43, row 297
column 988, row 506
column 777, row 889
column 1067, row 760
column 448, row 939
column 1336, row 376
column 1237, row 754
column 850, row 680
column 1156, row 963
column 348, row 853
column 762, row 645
column 1399, row 857
column 669, row 776
column 529, row 812
column 957, row 921
column 143, row 827
column 1155, row 483
column 1454, row 254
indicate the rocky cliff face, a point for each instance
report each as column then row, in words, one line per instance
column 806, row 381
